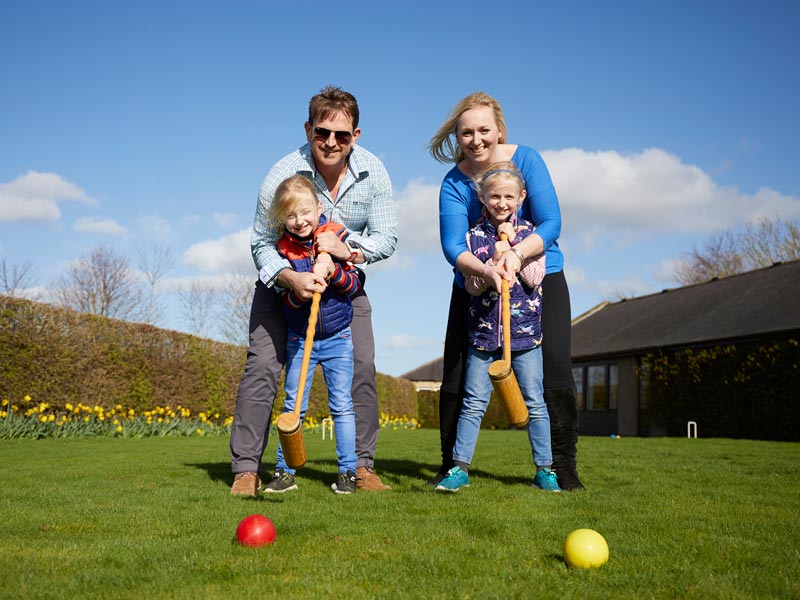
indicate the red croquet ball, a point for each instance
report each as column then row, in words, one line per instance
column 255, row 531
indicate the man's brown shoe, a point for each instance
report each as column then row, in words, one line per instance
column 369, row 482
column 246, row 484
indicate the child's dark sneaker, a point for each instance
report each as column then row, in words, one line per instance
column 345, row 483
column 546, row 480
column 281, row 482
column 455, row 480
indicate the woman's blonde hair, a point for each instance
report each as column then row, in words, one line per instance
column 504, row 169
column 289, row 194
column 443, row 147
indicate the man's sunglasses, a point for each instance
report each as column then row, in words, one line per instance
column 343, row 137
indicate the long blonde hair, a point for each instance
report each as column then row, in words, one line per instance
column 443, row 147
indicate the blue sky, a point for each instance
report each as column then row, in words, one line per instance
column 131, row 124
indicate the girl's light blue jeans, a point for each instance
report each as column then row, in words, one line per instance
column 335, row 354
column 527, row 366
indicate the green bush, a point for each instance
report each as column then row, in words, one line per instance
column 739, row 391
column 428, row 411
column 61, row 356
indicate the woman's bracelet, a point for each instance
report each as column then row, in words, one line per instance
column 519, row 254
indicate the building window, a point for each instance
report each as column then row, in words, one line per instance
column 596, row 393
column 577, row 375
column 598, row 386
column 613, row 386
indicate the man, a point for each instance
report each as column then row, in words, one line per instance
column 355, row 190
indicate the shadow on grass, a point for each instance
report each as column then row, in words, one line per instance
column 389, row 469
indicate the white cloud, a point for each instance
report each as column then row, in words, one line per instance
column 225, row 220
column 102, row 225
column 608, row 197
column 214, row 281
column 190, row 220
column 35, row 196
column 651, row 192
column 230, row 253
column 37, row 293
column 399, row 261
column 627, row 286
column 664, row 272
column 417, row 209
column 155, row 226
column 405, row 341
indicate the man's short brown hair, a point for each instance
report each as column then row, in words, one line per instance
column 331, row 100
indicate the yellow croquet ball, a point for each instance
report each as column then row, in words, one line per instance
column 585, row 549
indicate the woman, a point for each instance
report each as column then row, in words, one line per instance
column 473, row 137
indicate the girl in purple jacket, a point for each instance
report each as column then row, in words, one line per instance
column 501, row 190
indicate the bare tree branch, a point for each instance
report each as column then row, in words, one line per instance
column 100, row 283
column 236, row 299
column 727, row 253
column 198, row 302
column 154, row 263
column 15, row 278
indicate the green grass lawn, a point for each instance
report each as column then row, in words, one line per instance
column 152, row 518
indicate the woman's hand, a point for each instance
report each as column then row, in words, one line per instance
column 493, row 275
column 510, row 263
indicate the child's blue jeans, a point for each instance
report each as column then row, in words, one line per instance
column 527, row 366
column 335, row 354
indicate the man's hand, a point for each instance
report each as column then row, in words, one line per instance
column 303, row 285
column 329, row 242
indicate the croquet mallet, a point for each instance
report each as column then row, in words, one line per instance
column 290, row 431
column 500, row 371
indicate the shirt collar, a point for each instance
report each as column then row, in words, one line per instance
column 354, row 161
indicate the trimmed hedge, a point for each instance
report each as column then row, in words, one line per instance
column 738, row 391
column 61, row 356
column 428, row 412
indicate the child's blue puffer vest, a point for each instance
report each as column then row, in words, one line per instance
column 335, row 308
column 484, row 311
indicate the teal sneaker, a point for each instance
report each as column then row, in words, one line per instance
column 455, row 480
column 546, row 480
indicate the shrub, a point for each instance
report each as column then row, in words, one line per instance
column 739, row 391
column 65, row 357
